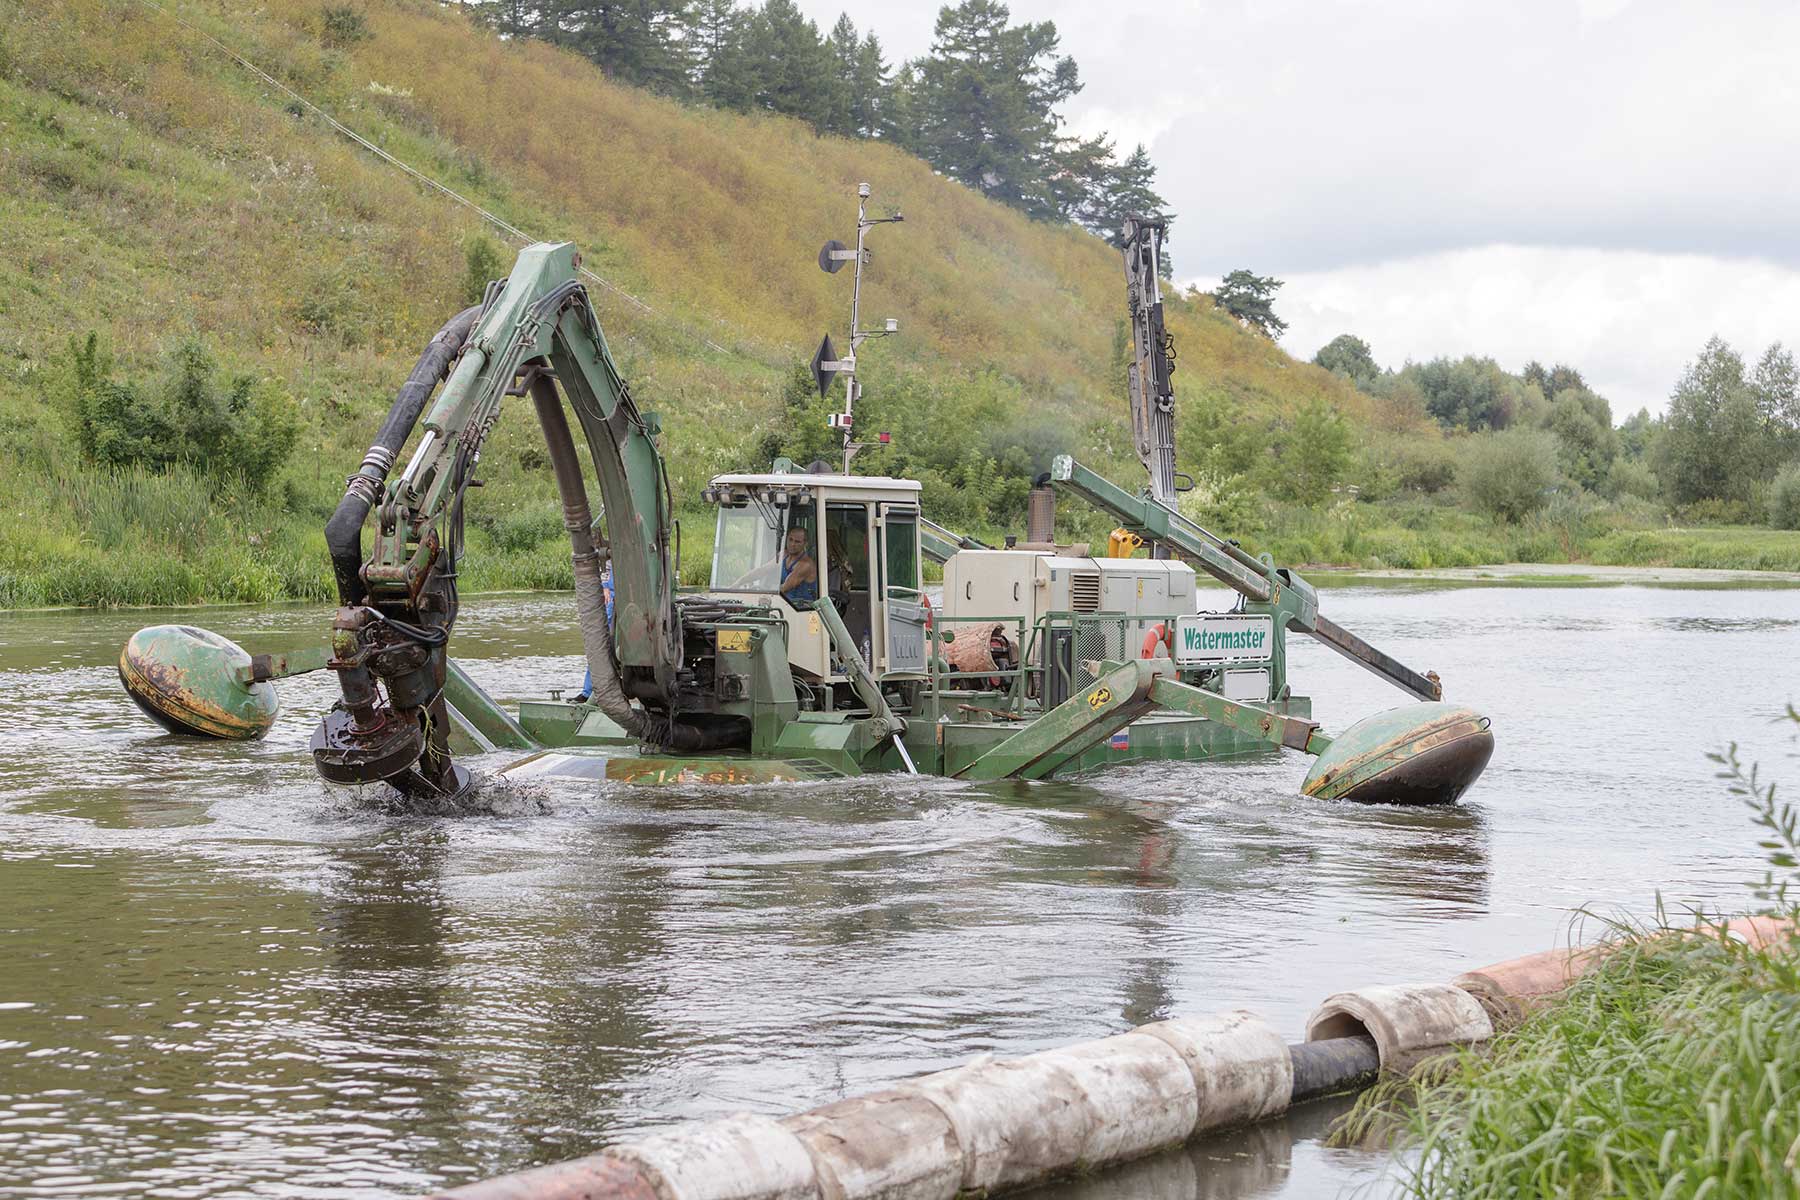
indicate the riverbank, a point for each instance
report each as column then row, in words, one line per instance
column 136, row 539
column 1664, row 1069
column 1661, row 1072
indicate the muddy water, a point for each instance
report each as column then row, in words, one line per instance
column 218, row 978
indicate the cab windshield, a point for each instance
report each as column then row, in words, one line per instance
column 751, row 545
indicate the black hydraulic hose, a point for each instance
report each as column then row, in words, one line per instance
column 343, row 533
column 1333, row 1065
column 590, row 601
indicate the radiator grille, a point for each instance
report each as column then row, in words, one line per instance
column 1084, row 591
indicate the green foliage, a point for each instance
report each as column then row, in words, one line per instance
column 984, row 102
column 1349, row 356
column 1715, row 440
column 1630, row 477
column 1509, row 474
column 1251, row 299
column 638, row 42
column 1317, row 454
column 342, row 26
column 1222, row 503
column 484, row 263
column 1472, row 393
column 1427, row 467
column 232, row 428
column 803, row 434
column 523, row 529
column 1585, row 442
column 1784, row 498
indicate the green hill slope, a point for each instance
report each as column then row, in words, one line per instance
column 155, row 190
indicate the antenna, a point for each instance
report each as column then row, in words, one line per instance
column 826, row 365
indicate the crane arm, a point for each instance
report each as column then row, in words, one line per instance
column 1149, row 374
column 536, row 334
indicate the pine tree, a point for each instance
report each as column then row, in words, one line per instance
column 871, row 91
column 719, row 32
column 984, row 103
column 633, row 41
column 840, row 111
column 792, row 64
column 1131, row 191
column 511, row 18
column 1251, row 299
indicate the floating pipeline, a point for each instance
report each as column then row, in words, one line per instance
column 1000, row 1125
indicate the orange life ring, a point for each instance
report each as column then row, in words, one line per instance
column 926, row 601
column 1157, row 634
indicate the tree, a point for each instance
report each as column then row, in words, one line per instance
column 1713, row 445
column 1776, row 384
column 1472, row 393
column 511, row 18
column 1638, row 434
column 984, row 103
column 1586, row 443
column 1251, row 299
column 1349, row 356
column 793, row 67
column 1123, row 189
column 722, row 72
column 634, row 41
column 871, row 91
column 1317, row 454
column 1509, row 475
column 1556, row 379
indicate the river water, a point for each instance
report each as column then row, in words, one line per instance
column 219, row 978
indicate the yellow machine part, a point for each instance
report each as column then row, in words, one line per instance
column 1122, row 543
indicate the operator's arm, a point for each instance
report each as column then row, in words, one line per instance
column 804, row 572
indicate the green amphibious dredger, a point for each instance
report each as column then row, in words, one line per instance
column 816, row 652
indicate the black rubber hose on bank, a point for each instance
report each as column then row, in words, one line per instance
column 343, row 533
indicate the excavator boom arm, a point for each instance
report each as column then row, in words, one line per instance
column 535, row 331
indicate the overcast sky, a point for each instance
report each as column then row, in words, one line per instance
column 1605, row 183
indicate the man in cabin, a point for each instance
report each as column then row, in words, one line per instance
column 795, row 574
column 798, row 573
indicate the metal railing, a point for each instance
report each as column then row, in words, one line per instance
column 1042, row 670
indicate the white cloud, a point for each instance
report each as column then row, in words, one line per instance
column 1605, row 182
column 1630, row 320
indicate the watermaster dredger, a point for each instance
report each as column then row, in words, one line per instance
column 816, row 652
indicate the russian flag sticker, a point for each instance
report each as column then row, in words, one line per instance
column 1121, row 740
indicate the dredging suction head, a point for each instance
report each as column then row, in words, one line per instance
column 192, row 681
column 1420, row 754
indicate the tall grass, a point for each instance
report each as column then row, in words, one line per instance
column 1673, row 1069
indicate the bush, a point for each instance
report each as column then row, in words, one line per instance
column 1317, row 453
column 1715, row 511
column 525, row 530
column 223, row 427
column 1784, row 498
column 1428, row 467
column 1510, row 475
column 484, row 263
column 343, row 26
column 1631, row 477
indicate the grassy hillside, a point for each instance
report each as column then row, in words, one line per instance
column 155, row 190
column 152, row 190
